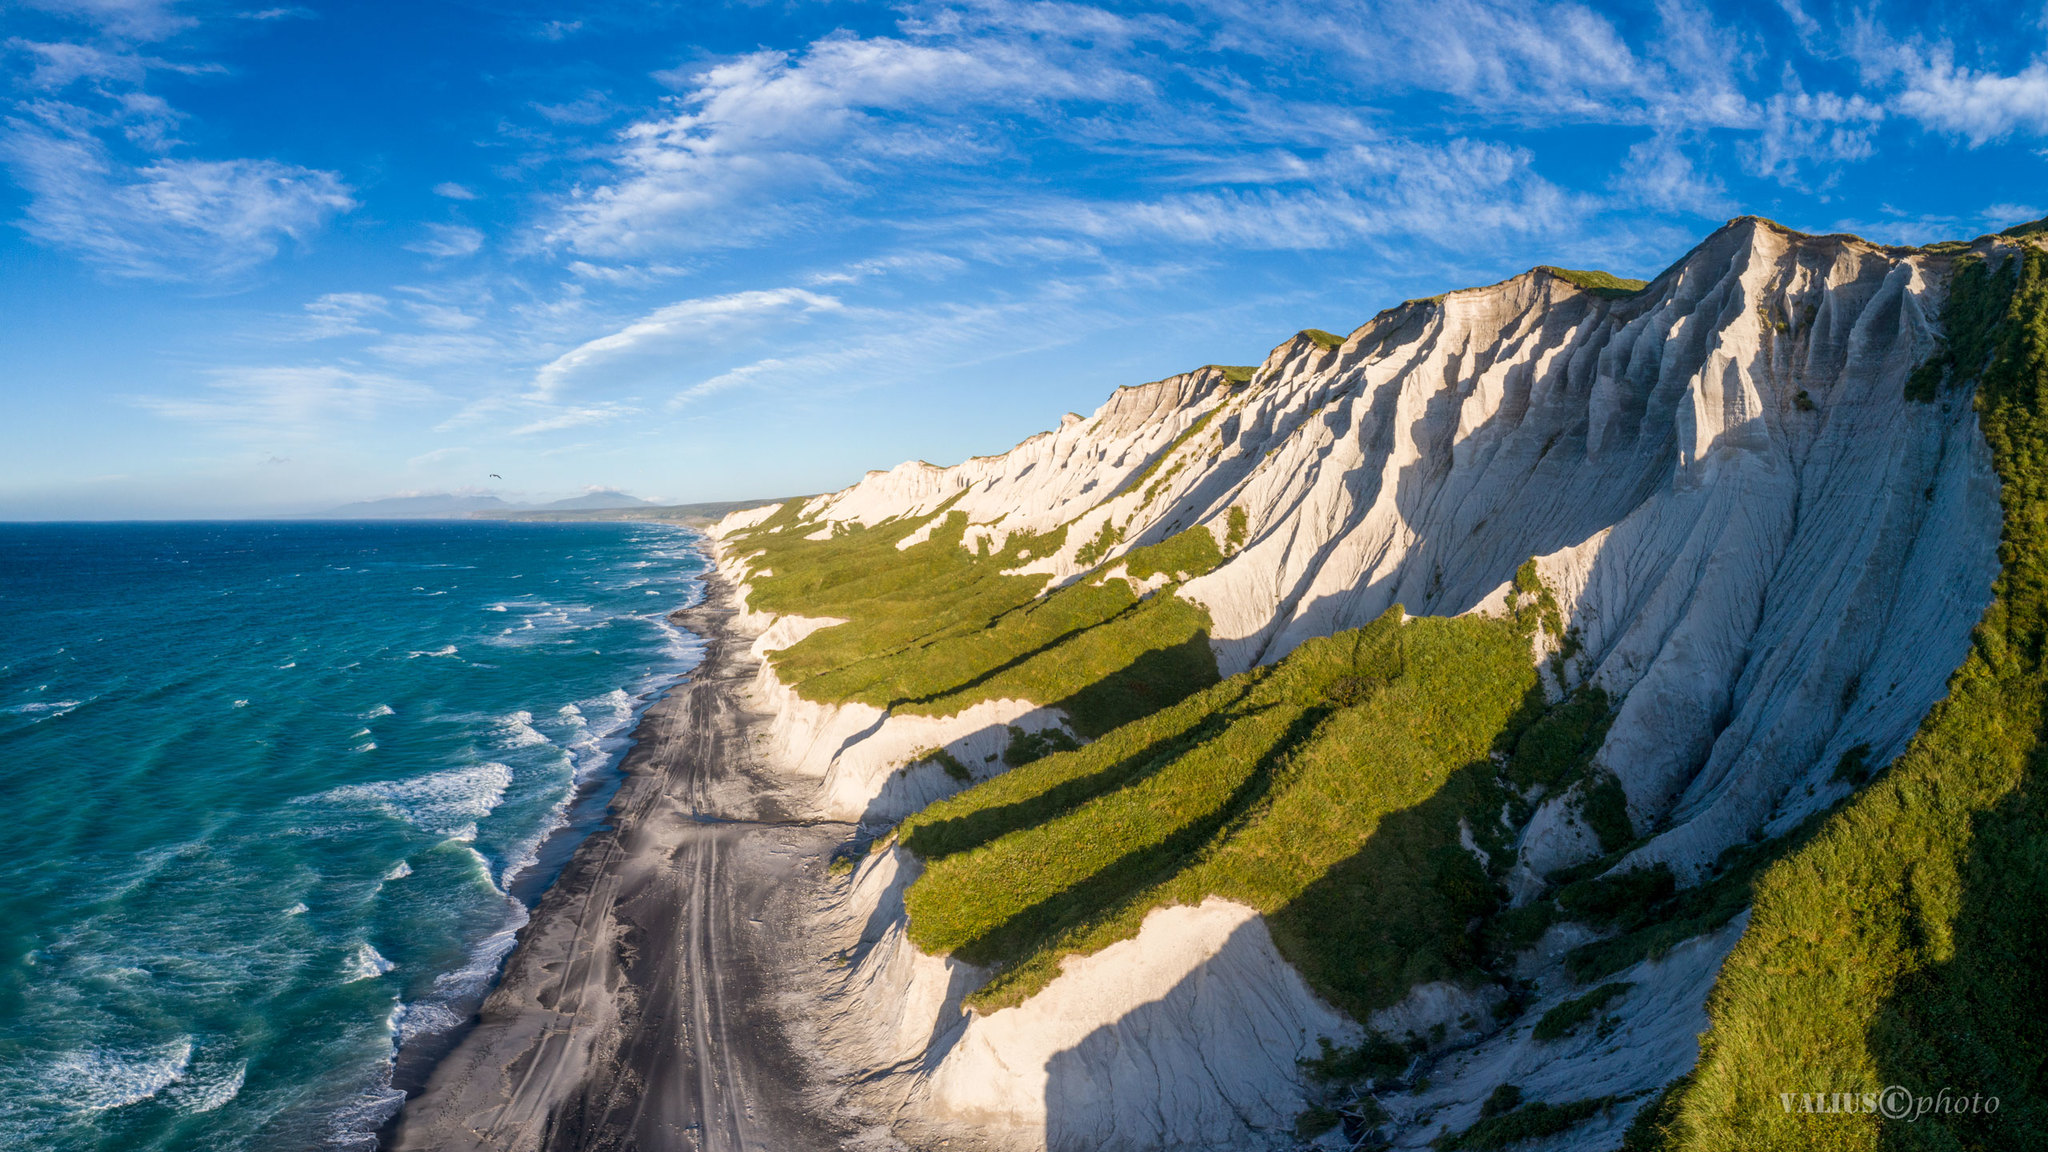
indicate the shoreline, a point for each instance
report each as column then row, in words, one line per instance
column 588, row 812
column 637, row 1005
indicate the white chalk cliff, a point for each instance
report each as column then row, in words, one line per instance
column 1765, row 553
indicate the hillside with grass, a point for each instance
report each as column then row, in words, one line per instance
column 1498, row 669
column 1902, row 943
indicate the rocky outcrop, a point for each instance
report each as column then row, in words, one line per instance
column 1760, row 548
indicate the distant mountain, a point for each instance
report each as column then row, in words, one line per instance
column 432, row 506
column 697, row 514
column 451, row 505
column 595, row 498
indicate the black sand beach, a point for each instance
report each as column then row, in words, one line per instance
column 638, row 1010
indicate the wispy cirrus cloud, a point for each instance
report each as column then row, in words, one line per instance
column 288, row 401
column 448, row 241
column 98, row 155
column 574, row 417
column 342, row 314
column 1528, row 61
column 1803, row 131
column 664, row 328
column 1344, row 197
column 169, row 219
column 759, row 137
column 132, row 19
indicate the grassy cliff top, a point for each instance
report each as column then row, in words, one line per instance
column 1599, row 283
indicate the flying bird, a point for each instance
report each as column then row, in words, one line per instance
column 495, row 476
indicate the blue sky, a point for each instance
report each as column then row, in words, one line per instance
column 261, row 260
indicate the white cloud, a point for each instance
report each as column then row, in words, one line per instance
column 343, row 314
column 1981, row 106
column 1370, row 193
column 288, row 401
column 57, row 65
column 449, row 241
column 665, row 327
column 137, row 19
column 2005, row 215
column 453, row 191
column 574, row 418
column 436, row 456
column 924, row 265
column 443, row 317
column 171, row 219
column 590, row 108
column 1802, row 128
column 1660, row 174
column 1521, row 60
column 760, row 135
column 626, row 275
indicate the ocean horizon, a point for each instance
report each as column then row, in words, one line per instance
column 282, row 794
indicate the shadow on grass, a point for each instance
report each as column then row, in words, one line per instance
column 946, row 837
column 1407, row 908
column 1156, row 679
column 977, row 679
column 1978, row 1022
column 1112, row 888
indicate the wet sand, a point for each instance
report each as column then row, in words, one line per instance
column 639, row 1010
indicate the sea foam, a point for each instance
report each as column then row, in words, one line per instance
column 365, row 963
column 447, row 802
column 95, row 1080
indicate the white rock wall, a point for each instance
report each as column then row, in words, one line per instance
column 1766, row 555
column 1184, row 1037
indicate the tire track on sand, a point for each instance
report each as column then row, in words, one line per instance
column 638, row 1011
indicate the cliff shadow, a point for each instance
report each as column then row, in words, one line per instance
column 1210, row 1064
column 1214, row 1061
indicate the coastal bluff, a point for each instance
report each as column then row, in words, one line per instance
column 1413, row 740
column 1761, row 553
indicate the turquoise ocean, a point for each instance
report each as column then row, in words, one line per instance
column 275, row 797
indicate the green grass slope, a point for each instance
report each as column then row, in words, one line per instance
column 934, row 628
column 1906, row 942
column 1326, row 790
column 1599, row 283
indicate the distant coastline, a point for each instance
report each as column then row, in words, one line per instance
column 694, row 515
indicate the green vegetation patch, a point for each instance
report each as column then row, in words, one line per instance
column 1328, row 791
column 1972, row 321
column 1562, row 1020
column 1603, row 284
column 933, row 628
column 1239, row 527
column 1655, row 916
column 1322, row 339
column 1091, row 553
column 1528, row 1122
column 1181, row 556
column 1902, row 943
column 1236, row 374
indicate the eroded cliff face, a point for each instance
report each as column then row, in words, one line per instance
column 1762, row 551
